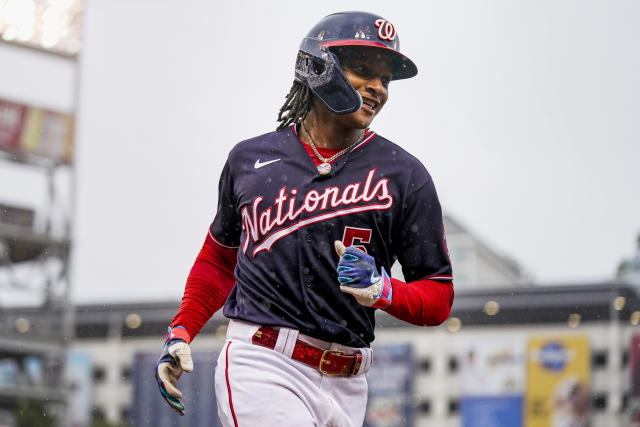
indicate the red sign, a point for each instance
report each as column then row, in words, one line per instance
column 11, row 122
column 26, row 130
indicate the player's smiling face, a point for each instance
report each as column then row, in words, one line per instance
column 369, row 72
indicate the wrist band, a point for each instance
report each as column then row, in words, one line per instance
column 179, row 332
column 386, row 292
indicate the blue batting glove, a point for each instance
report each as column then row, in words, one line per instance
column 357, row 269
column 358, row 276
column 174, row 359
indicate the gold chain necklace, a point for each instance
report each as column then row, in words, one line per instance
column 324, row 168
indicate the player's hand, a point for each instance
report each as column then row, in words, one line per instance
column 174, row 359
column 358, row 276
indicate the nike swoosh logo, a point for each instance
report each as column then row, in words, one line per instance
column 258, row 164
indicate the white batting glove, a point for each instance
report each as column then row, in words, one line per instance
column 174, row 360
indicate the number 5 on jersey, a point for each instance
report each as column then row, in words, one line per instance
column 354, row 236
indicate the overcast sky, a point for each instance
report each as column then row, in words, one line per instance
column 526, row 114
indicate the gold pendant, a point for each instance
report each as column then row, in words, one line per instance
column 324, row 168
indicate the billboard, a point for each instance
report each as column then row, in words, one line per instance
column 558, row 379
column 390, row 380
column 149, row 409
column 78, row 375
column 27, row 130
column 493, row 382
column 634, row 360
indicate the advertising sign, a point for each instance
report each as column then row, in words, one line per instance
column 149, row 408
column 634, row 360
column 558, row 378
column 390, row 387
column 78, row 370
column 493, row 382
column 26, row 130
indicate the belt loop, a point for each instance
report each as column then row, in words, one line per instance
column 291, row 343
column 367, row 360
column 240, row 330
column 286, row 341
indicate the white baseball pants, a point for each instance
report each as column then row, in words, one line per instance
column 257, row 386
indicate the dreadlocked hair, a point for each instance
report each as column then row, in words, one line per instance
column 296, row 106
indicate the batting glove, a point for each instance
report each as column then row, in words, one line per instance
column 358, row 276
column 174, row 359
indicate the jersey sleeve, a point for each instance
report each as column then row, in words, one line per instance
column 420, row 244
column 226, row 227
column 422, row 302
column 209, row 283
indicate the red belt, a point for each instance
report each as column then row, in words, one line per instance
column 329, row 362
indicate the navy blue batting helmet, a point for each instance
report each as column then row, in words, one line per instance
column 318, row 68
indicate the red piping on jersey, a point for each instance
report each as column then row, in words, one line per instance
column 222, row 244
column 368, row 137
column 439, row 277
column 226, row 375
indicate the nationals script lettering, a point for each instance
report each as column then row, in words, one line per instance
column 289, row 205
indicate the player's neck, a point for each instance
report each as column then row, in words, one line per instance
column 328, row 133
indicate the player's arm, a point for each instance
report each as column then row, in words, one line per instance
column 208, row 286
column 422, row 302
column 209, row 283
column 211, row 279
column 420, row 245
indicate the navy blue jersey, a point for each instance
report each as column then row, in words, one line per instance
column 283, row 216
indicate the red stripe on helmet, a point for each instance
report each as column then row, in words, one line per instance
column 355, row 43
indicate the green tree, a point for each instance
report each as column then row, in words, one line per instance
column 34, row 414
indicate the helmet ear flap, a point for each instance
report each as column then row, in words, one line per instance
column 326, row 80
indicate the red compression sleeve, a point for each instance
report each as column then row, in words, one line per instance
column 422, row 302
column 208, row 286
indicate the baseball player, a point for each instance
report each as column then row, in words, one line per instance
column 310, row 219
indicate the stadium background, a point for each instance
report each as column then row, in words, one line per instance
column 114, row 117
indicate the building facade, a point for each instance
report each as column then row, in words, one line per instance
column 605, row 315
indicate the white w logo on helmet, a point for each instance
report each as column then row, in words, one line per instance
column 386, row 30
